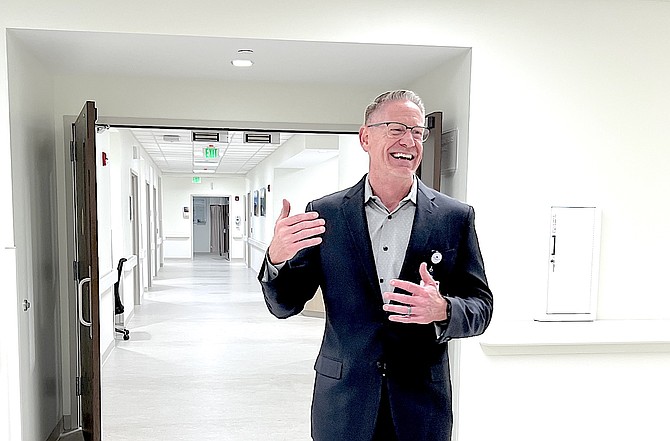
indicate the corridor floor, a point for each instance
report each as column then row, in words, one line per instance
column 207, row 361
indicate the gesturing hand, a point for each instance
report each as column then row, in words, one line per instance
column 294, row 233
column 425, row 305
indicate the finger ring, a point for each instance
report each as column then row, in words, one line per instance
column 409, row 311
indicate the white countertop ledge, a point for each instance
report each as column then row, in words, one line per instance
column 597, row 337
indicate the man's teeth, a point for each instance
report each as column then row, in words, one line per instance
column 406, row 156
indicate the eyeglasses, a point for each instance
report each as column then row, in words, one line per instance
column 398, row 130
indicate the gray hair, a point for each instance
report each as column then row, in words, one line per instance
column 393, row 95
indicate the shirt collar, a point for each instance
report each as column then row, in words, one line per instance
column 411, row 196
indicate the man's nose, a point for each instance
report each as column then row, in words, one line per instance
column 407, row 138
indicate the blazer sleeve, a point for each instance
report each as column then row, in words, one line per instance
column 470, row 298
column 296, row 282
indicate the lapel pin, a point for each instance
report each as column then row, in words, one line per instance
column 436, row 257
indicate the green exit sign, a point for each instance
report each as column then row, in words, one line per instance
column 211, row 152
column 196, row 179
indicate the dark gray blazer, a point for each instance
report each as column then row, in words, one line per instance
column 360, row 344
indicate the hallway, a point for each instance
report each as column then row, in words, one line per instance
column 207, row 361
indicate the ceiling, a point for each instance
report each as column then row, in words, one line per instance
column 173, row 151
column 108, row 53
column 209, row 58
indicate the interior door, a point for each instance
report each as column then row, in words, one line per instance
column 226, row 230
column 87, row 296
column 148, row 250
column 429, row 171
column 156, row 255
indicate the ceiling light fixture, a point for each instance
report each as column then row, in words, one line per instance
column 243, row 62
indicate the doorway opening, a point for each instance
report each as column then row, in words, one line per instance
column 135, row 234
column 211, row 226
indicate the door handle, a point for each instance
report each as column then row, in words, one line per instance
column 80, row 292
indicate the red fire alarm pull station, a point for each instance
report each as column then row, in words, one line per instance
column 105, row 159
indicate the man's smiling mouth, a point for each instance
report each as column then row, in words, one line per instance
column 405, row 156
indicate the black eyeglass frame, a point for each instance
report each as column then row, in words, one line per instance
column 424, row 136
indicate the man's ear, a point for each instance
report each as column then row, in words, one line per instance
column 363, row 137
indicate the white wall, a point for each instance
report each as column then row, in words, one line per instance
column 35, row 220
column 301, row 185
column 568, row 105
column 177, row 194
column 10, row 392
column 353, row 161
column 10, row 413
column 213, row 102
column 447, row 89
column 105, row 259
column 556, row 397
column 120, row 165
column 114, row 226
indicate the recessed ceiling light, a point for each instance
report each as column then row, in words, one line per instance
column 242, row 63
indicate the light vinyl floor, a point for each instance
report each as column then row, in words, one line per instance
column 207, row 361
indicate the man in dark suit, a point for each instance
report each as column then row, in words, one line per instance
column 401, row 273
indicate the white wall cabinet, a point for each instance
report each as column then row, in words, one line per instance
column 573, row 261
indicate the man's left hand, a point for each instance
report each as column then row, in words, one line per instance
column 424, row 305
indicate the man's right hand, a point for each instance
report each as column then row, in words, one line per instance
column 294, row 233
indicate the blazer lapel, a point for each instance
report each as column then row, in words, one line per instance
column 422, row 228
column 353, row 212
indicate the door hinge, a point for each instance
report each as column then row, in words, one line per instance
column 78, row 386
column 72, row 151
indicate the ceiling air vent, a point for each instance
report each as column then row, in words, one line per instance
column 171, row 138
column 209, row 136
column 261, row 137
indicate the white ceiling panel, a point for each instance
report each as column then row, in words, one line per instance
column 235, row 156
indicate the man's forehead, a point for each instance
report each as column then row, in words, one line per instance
column 397, row 106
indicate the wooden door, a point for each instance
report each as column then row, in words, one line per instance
column 86, row 265
column 225, row 227
column 429, row 170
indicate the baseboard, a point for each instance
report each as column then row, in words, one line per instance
column 67, row 422
column 73, row 435
column 108, row 351
column 308, row 313
column 55, row 434
column 130, row 316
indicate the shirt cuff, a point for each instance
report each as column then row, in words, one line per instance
column 441, row 327
column 271, row 270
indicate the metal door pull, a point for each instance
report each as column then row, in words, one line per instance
column 81, row 309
